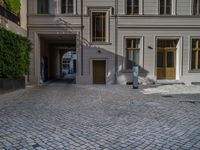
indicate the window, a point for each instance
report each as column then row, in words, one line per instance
column 99, row 26
column 195, row 64
column 132, row 7
column 196, row 7
column 43, row 6
column 132, row 52
column 166, row 7
column 67, row 6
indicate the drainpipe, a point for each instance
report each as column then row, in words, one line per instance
column 27, row 14
column 81, row 37
column 116, row 40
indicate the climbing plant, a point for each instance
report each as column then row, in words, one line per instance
column 14, row 54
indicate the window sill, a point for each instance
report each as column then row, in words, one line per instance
column 101, row 43
column 194, row 71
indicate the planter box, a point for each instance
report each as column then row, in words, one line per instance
column 12, row 84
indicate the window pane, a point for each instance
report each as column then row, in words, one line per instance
column 199, row 60
column 99, row 26
column 199, row 8
column 70, row 6
column 132, row 7
column 194, row 43
column 168, row 10
column 132, row 52
column 162, row 7
column 136, row 10
column 195, row 7
column 129, row 59
column 170, row 59
column 136, row 7
column 67, row 6
column 128, row 45
column 160, row 59
column 168, row 7
column 193, row 60
column 63, row 6
column 43, row 6
column 136, row 58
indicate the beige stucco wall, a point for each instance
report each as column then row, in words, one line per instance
column 147, row 27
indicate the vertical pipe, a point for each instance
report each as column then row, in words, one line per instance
column 116, row 39
column 81, row 37
column 27, row 23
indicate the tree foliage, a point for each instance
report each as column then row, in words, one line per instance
column 14, row 54
column 13, row 5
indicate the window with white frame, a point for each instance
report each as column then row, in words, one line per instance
column 67, row 6
column 196, row 7
column 43, row 6
column 167, row 7
column 195, row 59
column 132, row 52
column 99, row 26
column 133, row 7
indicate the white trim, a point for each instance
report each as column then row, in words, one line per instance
column 179, row 53
column 141, row 10
column 173, row 11
column 141, row 52
column 107, row 25
column 190, row 54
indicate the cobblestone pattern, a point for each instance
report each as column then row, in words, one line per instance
column 76, row 117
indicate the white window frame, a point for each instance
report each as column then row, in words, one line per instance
column 141, row 3
column 190, row 55
column 141, row 52
column 192, row 8
column 174, row 8
column 66, row 13
column 107, row 26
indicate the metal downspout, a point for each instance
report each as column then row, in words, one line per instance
column 116, row 39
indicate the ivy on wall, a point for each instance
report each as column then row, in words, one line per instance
column 13, row 5
column 14, row 54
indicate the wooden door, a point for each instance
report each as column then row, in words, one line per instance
column 99, row 71
column 166, row 64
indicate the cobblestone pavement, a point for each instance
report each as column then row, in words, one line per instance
column 95, row 117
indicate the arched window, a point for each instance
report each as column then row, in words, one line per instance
column 67, row 6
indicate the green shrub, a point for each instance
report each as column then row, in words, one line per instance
column 14, row 54
column 13, row 5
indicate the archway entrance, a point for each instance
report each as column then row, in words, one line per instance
column 68, row 65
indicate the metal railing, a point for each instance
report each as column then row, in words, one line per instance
column 9, row 15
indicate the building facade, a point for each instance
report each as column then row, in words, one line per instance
column 108, row 37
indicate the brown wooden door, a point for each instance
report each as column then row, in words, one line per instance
column 99, row 71
column 166, row 64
